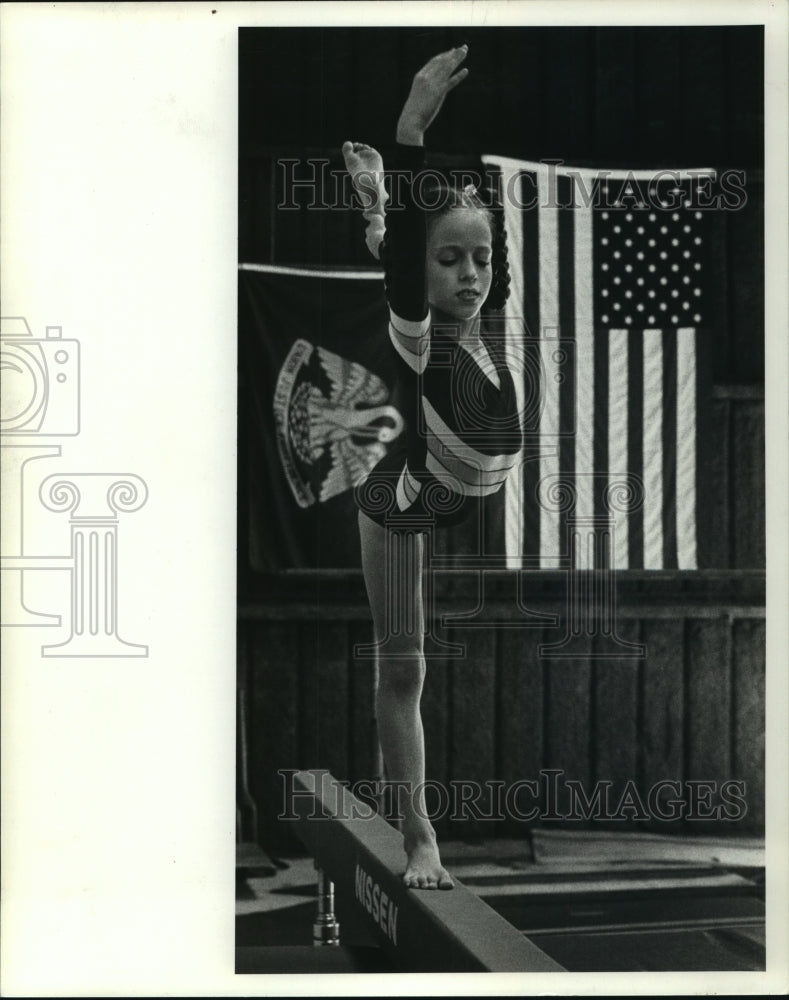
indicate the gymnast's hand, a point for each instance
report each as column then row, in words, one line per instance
column 429, row 88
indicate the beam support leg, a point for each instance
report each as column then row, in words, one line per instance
column 326, row 929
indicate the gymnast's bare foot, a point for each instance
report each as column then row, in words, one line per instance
column 359, row 156
column 366, row 168
column 424, row 869
column 367, row 173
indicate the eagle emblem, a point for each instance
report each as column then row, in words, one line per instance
column 333, row 422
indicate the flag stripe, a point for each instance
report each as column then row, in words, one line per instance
column 618, row 436
column 686, row 449
column 585, row 361
column 635, row 463
column 514, row 332
column 669, row 450
column 566, row 386
column 566, row 215
column 548, row 238
column 528, row 264
column 653, row 449
column 600, row 441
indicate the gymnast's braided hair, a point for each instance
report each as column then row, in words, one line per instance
column 445, row 198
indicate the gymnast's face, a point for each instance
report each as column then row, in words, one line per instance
column 459, row 268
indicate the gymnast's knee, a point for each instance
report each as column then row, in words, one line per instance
column 402, row 676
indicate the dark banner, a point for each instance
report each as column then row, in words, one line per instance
column 318, row 407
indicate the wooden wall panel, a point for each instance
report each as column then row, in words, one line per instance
column 363, row 734
column 472, row 716
column 747, row 497
column 274, row 720
column 324, row 692
column 692, row 710
column 748, row 663
column 520, row 737
column 567, row 724
column 662, row 713
column 615, row 686
column 708, row 710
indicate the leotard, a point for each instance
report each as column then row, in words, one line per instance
column 463, row 431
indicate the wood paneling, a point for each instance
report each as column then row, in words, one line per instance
column 473, row 720
column 747, row 498
column 615, row 705
column 520, row 713
column 324, row 689
column 662, row 714
column 691, row 711
column 707, row 720
column 567, row 727
column 748, row 661
column 363, row 735
column 274, row 719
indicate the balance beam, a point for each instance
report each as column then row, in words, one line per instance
column 423, row 930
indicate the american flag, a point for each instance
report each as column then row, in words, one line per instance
column 609, row 280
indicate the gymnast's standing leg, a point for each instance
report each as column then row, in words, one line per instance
column 393, row 573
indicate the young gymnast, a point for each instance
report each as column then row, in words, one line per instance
column 442, row 264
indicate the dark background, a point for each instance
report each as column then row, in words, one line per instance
column 694, row 708
column 606, row 97
column 610, row 96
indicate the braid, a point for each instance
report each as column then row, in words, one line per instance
column 500, row 283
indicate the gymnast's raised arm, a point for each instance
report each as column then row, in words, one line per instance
column 406, row 230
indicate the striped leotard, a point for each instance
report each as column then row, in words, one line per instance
column 463, row 434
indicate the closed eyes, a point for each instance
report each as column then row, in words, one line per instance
column 449, row 261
